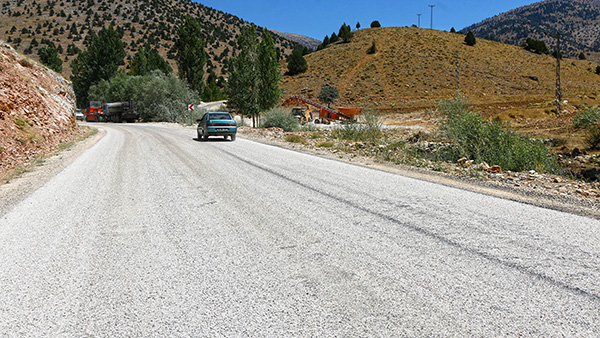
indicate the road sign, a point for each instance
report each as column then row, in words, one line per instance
column 191, row 107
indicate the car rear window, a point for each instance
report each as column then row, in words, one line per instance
column 222, row 116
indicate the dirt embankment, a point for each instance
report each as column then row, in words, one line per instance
column 36, row 110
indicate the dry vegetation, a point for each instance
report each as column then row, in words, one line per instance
column 414, row 68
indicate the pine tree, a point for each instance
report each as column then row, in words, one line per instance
column 372, row 49
column 100, row 61
column 296, row 63
column 190, row 53
column 375, row 24
column 357, row 25
column 345, row 33
column 49, row 57
column 582, row 56
column 334, row 38
column 470, row 39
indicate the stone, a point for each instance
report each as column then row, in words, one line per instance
column 496, row 169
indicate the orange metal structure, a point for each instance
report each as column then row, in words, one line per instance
column 325, row 114
column 94, row 111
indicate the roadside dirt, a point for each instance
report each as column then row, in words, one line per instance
column 546, row 190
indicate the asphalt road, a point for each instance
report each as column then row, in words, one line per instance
column 151, row 233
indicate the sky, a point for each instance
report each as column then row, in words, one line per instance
column 319, row 18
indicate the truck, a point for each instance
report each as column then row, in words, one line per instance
column 120, row 111
column 111, row 112
column 326, row 114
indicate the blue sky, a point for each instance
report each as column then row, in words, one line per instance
column 319, row 18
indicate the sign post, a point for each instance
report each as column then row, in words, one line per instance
column 191, row 110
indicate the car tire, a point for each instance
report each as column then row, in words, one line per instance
column 232, row 136
column 199, row 136
column 204, row 137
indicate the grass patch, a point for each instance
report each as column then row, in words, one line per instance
column 592, row 136
column 326, row 144
column 476, row 139
column 280, row 118
column 586, row 118
column 369, row 131
column 292, row 138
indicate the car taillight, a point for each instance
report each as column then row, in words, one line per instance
column 220, row 124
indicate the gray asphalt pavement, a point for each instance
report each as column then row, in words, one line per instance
column 151, row 233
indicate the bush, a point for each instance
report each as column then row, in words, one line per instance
column 159, row 96
column 480, row 140
column 372, row 49
column 295, row 139
column 280, row 118
column 369, row 131
column 375, row 24
column 592, row 137
column 586, row 118
column 470, row 39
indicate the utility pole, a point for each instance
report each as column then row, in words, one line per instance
column 558, row 84
column 419, row 15
column 457, row 72
column 431, row 15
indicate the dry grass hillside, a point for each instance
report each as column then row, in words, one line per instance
column 413, row 68
column 36, row 110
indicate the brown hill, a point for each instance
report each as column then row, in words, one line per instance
column 27, row 24
column 414, row 67
column 300, row 39
column 577, row 20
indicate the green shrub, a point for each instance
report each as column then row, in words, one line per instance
column 477, row 139
column 279, row 118
column 592, row 137
column 586, row 118
column 369, row 131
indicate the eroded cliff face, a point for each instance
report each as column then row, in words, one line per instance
column 36, row 110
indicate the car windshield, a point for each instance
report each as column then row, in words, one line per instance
column 220, row 116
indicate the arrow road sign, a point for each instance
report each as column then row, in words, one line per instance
column 191, row 107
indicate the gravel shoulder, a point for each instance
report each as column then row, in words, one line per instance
column 544, row 190
column 19, row 187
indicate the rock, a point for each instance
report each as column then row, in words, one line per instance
column 576, row 152
column 496, row 169
column 590, row 174
column 558, row 179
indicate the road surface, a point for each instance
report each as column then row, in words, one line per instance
column 151, row 233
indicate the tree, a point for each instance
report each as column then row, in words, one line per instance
column 243, row 76
column 372, row 49
column 147, row 60
column 268, row 73
column 358, row 25
column 345, row 33
column 452, row 30
column 190, row 53
column 49, row 57
column 375, row 24
column 334, row 38
column 598, row 70
column 536, row 46
column 100, row 61
column 470, row 39
column 328, row 94
column 296, row 63
column 582, row 56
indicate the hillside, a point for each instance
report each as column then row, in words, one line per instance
column 27, row 24
column 300, row 39
column 414, row 67
column 577, row 20
column 36, row 110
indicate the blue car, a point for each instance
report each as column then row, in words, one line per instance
column 216, row 124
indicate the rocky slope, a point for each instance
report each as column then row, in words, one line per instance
column 36, row 110
column 301, row 39
column 578, row 20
